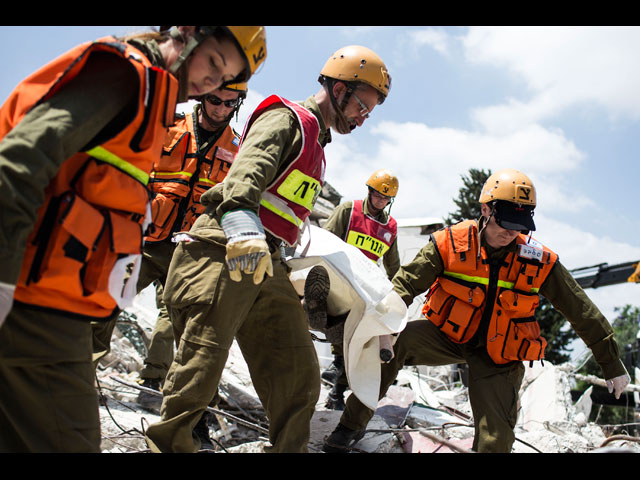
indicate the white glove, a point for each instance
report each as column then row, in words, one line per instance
column 6, row 300
column 617, row 385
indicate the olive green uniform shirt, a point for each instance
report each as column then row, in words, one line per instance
column 560, row 288
column 338, row 223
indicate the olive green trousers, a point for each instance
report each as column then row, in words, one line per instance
column 493, row 389
column 48, row 399
column 208, row 311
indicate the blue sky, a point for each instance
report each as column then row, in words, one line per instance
column 561, row 104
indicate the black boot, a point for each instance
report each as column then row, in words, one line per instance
column 316, row 291
column 341, row 439
column 334, row 372
column 201, row 430
column 335, row 399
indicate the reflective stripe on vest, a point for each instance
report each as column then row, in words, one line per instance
column 280, row 208
column 106, row 156
column 485, row 281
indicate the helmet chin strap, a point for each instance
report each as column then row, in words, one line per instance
column 483, row 222
column 342, row 125
column 179, row 66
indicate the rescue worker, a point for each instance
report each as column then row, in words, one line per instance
column 484, row 279
column 197, row 153
column 367, row 225
column 78, row 141
column 227, row 279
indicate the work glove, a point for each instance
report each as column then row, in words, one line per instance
column 6, row 300
column 247, row 249
column 249, row 256
column 617, row 385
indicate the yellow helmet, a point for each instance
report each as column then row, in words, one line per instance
column 384, row 182
column 242, row 88
column 509, row 185
column 358, row 64
column 252, row 41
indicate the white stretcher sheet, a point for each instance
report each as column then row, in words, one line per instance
column 360, row 287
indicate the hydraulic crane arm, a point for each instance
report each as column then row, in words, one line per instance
column 604, row 274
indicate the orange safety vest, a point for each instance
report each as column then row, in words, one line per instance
column 369, row 235
column 185, row 171
column 88, row 234
column 289, row 199
column 470, row 290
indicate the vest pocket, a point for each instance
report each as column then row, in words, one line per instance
column 164, row 211
column 77, row 251
column 454, row 308
column 523, row 340
column 74, row 229
column 517, row 332
column 518, row 305
column 105, row 186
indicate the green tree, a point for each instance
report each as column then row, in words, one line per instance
column 468, row 195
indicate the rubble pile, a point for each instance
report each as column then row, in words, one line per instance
column 426, row 411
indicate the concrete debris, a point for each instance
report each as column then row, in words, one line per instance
column 426, row 411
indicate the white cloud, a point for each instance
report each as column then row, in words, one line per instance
column 562, row 67
column 430, row 161
column 434, row 38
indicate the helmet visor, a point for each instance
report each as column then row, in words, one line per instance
column 513, row 216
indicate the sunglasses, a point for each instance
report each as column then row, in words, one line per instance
column 215, row 101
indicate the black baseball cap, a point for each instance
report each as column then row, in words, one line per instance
column 514, row 216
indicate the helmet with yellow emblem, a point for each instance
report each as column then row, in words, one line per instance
column 512, row 196
column 384, row 182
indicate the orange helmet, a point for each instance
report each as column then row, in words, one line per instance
column 384, row 182
column 359, row 64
